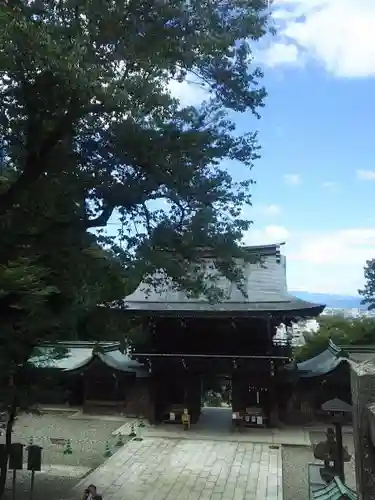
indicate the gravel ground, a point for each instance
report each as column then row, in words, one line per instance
column 61, row 472
column 87, row 437
column 295, row 467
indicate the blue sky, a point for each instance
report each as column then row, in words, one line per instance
column 316, row 178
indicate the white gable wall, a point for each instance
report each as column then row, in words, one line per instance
column 264, row 283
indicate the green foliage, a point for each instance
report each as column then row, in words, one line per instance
column 368, row 293
column 342, row 331
column 88, row 122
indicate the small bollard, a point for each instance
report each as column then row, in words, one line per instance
column 132, row 433
column 139, row 436
column 120, row 440
column 107, row 450
column 68, row 448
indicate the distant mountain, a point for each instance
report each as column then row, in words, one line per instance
column 331, row 300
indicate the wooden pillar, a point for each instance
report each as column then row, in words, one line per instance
column 193, row 393
column 273, row 397
column 236, row 392
column 152, row 387
column 85, row 388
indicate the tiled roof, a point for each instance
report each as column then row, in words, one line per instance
column 322, row 364
column 287, row 306
column 77, row 356
column 335, row 490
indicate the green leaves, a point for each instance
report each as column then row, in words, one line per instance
column 368, row 293
column 342, row 331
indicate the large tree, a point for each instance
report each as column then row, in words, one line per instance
column 368, row 292
column 89, row 131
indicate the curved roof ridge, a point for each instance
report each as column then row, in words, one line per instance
column 325, row 362
column 334, row 349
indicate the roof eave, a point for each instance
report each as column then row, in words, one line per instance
column 309, row 311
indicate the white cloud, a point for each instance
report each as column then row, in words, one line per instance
column 292, row 179
column 336, row 33
column 331, row 186
column 330, row 261
column 189, row 92
column 280, row 53
column 366, row 175
column 271, row 210
column 266, row 235
column 346, row 247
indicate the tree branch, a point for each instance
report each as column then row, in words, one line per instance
column 102, row 219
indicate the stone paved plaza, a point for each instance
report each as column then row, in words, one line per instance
column 170, row 469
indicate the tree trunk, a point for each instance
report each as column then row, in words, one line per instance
column 12, row 408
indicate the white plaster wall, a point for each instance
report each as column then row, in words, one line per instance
column 263, row 283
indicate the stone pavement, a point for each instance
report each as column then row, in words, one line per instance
column 287, row 436
column 170, row 469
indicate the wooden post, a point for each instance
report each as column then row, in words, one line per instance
column 339, row 465
column 14, row 483
column 85, row 389
column 32, row 484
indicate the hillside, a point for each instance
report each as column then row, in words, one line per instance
column 331, row 300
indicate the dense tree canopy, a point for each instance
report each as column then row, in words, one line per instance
column 342, row 331
column 90, row 130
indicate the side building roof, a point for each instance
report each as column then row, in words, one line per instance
column 322, row 364
column 76, row 356
column 334, row 356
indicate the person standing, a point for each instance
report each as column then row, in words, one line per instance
column 91, row 493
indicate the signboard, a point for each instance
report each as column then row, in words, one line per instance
column 185, row 419
column 172, row 416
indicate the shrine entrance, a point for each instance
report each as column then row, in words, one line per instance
column 243, row 387
column 216, row 390
column 216, row 403
column 215, row 420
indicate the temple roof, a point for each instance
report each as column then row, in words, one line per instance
column 263, row 292
column 77, row 356
column 287, row 306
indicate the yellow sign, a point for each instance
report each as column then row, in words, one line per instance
column 185, row 419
